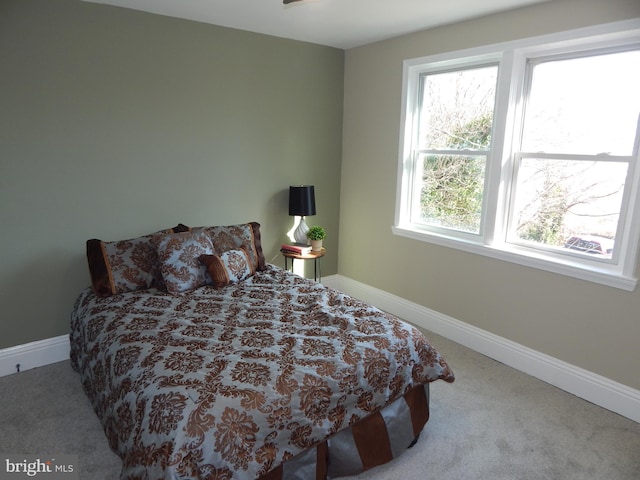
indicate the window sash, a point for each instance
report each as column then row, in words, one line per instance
column 416, row 195
column 512, row 237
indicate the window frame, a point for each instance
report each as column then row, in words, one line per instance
column 489, row 61
column 492, row 241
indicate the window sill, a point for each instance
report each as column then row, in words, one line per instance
column 527, row 258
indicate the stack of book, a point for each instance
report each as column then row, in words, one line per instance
column 295, row 248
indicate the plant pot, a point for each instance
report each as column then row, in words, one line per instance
column 316, row 245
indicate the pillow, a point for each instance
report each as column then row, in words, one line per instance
column 179, row 255
column 232, row 266
column 126, row 265
column 232, row 237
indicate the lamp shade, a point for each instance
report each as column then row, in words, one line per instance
column 302, row 200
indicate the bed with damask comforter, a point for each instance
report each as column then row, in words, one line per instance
column 255, row 374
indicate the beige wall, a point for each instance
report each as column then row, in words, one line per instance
column 586, row 324
column 115, row 123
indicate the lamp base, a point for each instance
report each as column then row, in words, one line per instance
column 300, row 233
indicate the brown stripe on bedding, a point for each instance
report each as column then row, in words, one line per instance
column 416, row 398
column 275, row 474
column 322, row 461
column 372, row 441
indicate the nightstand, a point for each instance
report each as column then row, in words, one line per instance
column 315, row 256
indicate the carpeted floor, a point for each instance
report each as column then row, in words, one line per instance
column 493, row 423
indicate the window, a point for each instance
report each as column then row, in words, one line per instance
column 528, row 152
column 453, row 146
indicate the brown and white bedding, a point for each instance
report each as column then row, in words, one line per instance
column 267, row 375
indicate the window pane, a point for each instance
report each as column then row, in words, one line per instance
column 584, row 105
column 568, row 204
column 457, row 109
column 451, row 191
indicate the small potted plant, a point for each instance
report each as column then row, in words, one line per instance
column 315, row 235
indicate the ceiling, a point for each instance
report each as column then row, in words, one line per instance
column 337, row 23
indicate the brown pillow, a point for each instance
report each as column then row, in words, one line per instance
column 257, row 243
column 126, row 265
column 232, row 266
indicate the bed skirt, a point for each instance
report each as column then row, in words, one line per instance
column 372, row 441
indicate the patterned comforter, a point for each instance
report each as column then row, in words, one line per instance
column 232, row 382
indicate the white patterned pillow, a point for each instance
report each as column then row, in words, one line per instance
column 231, row 237
column 179, row 255
column 126, row 265
column 231, row 266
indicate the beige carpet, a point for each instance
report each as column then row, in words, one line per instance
column 493, row 423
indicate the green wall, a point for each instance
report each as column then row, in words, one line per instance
column 585, row 324
column 115, row 123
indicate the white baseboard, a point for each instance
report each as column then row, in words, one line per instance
column 33, row 354
column 594, row 388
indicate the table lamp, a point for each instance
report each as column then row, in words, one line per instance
column 302, row 202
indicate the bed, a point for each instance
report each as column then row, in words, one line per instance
column 202, row 361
